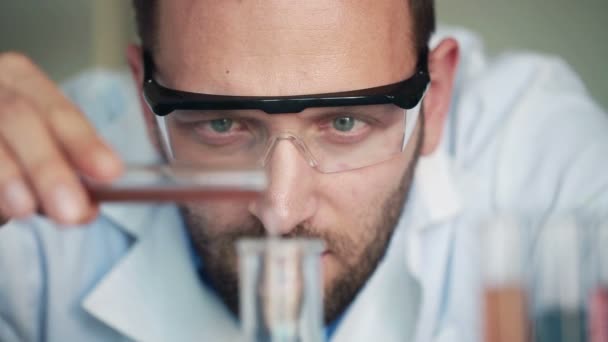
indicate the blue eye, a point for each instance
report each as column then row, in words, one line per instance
column 344, row 123
column 221, row 125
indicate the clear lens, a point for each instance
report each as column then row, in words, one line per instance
column 332, row 139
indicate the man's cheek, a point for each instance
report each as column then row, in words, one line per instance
column 332, row 270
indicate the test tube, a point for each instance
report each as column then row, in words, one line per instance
column 598, row 299
column 560, row 315
column 178, row 183
column 598, row 312
column 504, row 296
column 281, row 290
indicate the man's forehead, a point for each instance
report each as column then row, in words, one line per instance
column 283, row 44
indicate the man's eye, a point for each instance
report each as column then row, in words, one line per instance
column 221, row 125
column 344, row 123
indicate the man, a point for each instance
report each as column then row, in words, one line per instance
column 395, row 207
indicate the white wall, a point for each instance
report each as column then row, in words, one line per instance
column 575, row 30
column 55, row 33
column 66, row 36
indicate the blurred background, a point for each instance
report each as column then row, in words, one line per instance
column 67, row 36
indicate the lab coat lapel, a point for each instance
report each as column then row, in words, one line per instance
column 431, row 240
column 436, row 247
column 402, row 301
column 387, row 307
column 154, row 294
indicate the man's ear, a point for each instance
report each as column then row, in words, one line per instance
column 134, row 58
column 443, row 62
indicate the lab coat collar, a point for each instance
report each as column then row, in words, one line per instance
column 437, row 191
column 153, row 293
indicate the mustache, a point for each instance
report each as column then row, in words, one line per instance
column 254, row 229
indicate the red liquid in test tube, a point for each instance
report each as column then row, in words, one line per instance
column 598, row 315
column 179, row 184
column 505, row 315
column 176, row 194
column 505, row 298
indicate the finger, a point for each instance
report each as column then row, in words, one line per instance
column 91, row 215
column 88, row 218
column 56, row 187
column 82, row 146
column 75, row 135
column 16, row 198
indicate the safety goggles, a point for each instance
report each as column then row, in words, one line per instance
column 335, row 132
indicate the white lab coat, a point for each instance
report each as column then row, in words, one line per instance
column 522, row 136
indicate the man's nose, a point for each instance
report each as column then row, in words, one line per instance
column 289, row 199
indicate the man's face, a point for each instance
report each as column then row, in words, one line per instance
column 268, row 48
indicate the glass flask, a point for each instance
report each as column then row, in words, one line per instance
column 281, row 290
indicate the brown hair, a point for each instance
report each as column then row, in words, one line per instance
column 423, row 12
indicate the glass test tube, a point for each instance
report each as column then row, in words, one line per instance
column 504, row 297
column 281, row 290
column 178, row 183
column 598, row 298
column 560, row 315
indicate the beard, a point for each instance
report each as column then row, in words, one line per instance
column 359, row 258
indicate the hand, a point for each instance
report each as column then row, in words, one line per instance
column 46, row 143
